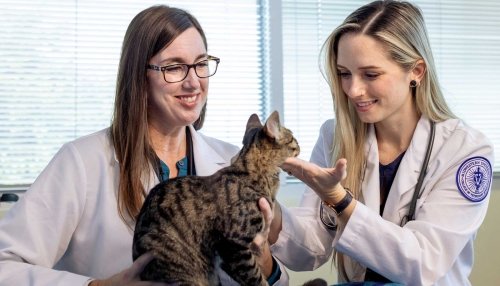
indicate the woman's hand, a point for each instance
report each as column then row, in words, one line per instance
column 324, row 181
column 130, row 276
column 260, row 244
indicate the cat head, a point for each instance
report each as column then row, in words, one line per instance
column 272, row 139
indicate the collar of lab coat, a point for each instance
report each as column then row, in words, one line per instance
column 207, row 159
column 406, row 176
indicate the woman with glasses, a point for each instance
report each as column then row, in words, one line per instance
column 398, row 186
column 74, row 226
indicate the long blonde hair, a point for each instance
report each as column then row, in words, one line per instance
column 147, row 34
column 399, row 26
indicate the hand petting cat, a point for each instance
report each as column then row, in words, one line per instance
column 130, row 276
column 260, row 243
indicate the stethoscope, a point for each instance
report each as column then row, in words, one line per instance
column 190, row 154
column 330, row 224
column 423, row 171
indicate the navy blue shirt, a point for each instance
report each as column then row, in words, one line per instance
column 387, row 174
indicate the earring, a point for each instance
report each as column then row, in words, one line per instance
column 413, row 83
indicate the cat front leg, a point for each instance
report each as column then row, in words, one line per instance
column 235, row 245
column 240, row 263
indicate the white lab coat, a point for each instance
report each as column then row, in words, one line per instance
column 434, row 249
column 68, row 219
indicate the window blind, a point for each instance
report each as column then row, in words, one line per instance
column 58, row 65
column 465, row 36
column 58, row 62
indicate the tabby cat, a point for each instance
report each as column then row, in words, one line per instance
column 190, row 222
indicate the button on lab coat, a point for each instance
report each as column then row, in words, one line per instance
column 434, row 249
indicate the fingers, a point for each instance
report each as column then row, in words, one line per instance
column 341, row 168
column 131, row 275
column 292, row 165
column 305, row 171
column 276, row 224
column 266, row 210
column 324, row 181
column 258, row 244
column 260, row 239
column 139, row 264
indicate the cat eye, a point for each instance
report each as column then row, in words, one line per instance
column 178, row 72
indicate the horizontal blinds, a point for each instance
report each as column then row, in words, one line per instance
column 58, row 65
column 465, row 36
column 58, row 62
column 307, row 99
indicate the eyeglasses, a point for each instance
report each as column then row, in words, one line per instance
column 178, row 72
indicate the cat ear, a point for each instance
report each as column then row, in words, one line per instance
column 253, row 122
column 272, row 126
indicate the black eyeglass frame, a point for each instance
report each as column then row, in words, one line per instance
column 164, row 68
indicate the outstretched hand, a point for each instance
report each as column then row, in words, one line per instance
column 130, row 276
column 324, row 181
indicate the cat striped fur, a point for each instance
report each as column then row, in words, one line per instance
column 190, row 223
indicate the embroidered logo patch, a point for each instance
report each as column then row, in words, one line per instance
column 474, row 178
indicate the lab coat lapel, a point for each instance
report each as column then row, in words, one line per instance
column 206, row 159
column 371, row 185
column 408, row 172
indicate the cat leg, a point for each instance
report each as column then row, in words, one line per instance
column 240, row 263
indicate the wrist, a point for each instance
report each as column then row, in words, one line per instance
column 275, row 274
column 335, row 196
column 340, row 205
column 266, row 261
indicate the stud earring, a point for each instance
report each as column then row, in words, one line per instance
column 413, row 83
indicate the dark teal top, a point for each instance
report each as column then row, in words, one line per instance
column 182, row 167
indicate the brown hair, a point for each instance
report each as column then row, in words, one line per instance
column 147, row 34
column 399, row 26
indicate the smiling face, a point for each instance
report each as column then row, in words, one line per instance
column 176, row 105
column 375, row 84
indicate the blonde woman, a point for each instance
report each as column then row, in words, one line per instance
column 397, row 185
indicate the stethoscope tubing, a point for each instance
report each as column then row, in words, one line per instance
column 423, row 171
